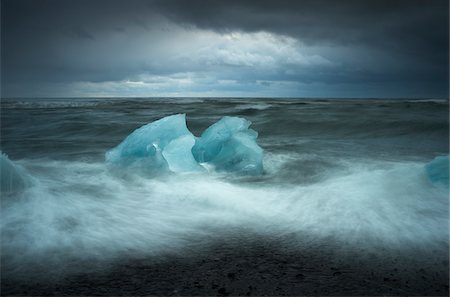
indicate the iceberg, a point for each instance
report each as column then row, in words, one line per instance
column 153, row 147
column 168, row 145
column 12, row 177
column 229, row 145
column 438, row 170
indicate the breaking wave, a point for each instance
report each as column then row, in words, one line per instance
column 80, row 210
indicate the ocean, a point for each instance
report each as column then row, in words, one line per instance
column 344, row 171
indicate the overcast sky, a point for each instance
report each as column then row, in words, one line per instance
column 334, row 48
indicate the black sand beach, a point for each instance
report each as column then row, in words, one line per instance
column 252, row 265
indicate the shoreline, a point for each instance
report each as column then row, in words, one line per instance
column 253, row 265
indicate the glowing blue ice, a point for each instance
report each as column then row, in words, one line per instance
column 151, row 146
column 230, row 145
column 168, row 145
column 438, row 170
column 179, row 156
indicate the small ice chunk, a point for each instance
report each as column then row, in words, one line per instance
column 438, row 170
column 230, row 145
column 12, row 177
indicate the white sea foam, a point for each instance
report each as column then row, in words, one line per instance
column 77, row 209
column 258, row 106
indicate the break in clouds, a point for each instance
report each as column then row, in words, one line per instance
column 224, row 48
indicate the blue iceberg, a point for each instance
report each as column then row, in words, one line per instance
column 229, row 145
column 158, row 146
column 438, row 170
column 168, row 145
column 12, row 178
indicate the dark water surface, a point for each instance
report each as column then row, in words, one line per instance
column 347, row 175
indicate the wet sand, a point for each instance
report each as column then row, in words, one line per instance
column 251, row 265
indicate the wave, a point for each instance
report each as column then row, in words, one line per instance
column 79, row 210
column 259, row 106
column 48, row 103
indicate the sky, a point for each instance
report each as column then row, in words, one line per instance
column 246, row 48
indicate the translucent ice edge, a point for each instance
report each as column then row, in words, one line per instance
column 12, row 177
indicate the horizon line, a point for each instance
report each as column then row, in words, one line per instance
column 224, row 97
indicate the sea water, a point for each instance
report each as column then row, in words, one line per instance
column 348, row 170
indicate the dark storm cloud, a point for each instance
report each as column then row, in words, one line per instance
column 37, row 35
column 385, row 22
column 401, row 43
column 417, row 29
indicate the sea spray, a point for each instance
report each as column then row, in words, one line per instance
column 71, row 214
